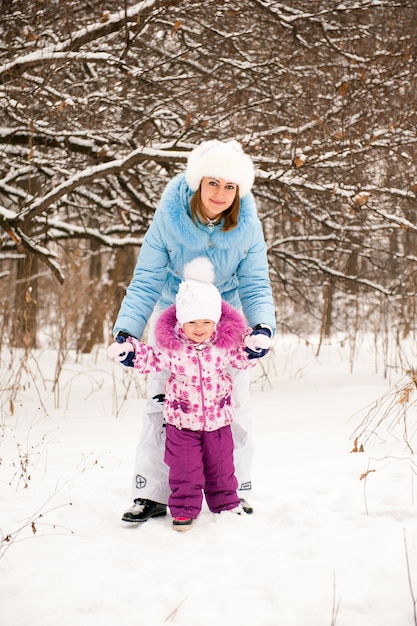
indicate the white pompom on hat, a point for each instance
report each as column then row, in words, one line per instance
column 198, row 298
column 220, row 159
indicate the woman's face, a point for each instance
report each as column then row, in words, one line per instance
column 217, row 195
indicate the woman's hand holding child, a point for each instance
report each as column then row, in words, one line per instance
column 122, row 351
column 258, row 343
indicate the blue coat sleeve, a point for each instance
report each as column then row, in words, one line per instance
column 255, row 290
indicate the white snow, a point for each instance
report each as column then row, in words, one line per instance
column 323, row 547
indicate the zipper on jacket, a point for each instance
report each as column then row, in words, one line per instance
column 200, row 369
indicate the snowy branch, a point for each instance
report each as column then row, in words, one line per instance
column 65, row 49
column 93, row 173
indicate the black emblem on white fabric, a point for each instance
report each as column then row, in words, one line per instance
column 140, row 481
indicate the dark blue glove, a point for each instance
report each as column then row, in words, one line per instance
column 259, row 341
column 122, row 350
column 128, row 361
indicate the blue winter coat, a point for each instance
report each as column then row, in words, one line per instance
column 173, row 240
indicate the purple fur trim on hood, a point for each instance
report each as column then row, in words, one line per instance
column 229, row 330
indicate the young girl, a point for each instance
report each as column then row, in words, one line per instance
column 198, row 339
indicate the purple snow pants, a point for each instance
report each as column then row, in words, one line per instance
column 200, row 461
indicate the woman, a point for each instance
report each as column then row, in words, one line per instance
column 207, row 211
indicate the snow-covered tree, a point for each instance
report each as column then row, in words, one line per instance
column 101, row 102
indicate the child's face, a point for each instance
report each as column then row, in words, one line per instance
column 198, row 330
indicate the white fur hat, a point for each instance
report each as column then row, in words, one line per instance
column 197, row 297
column 219, row 159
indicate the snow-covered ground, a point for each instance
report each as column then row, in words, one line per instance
column 323, row 548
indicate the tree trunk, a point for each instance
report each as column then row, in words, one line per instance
column 24, row 324
column 105, row 298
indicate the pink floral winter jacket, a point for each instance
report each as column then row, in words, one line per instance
column 198, row 393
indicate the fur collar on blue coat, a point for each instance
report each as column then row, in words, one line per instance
column 182, row 229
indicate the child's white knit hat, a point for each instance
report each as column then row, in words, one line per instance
column 220, row 159
column 197, row 297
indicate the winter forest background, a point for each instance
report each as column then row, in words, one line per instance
column 101, row 103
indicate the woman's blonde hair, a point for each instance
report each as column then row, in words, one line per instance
column 230, row 216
